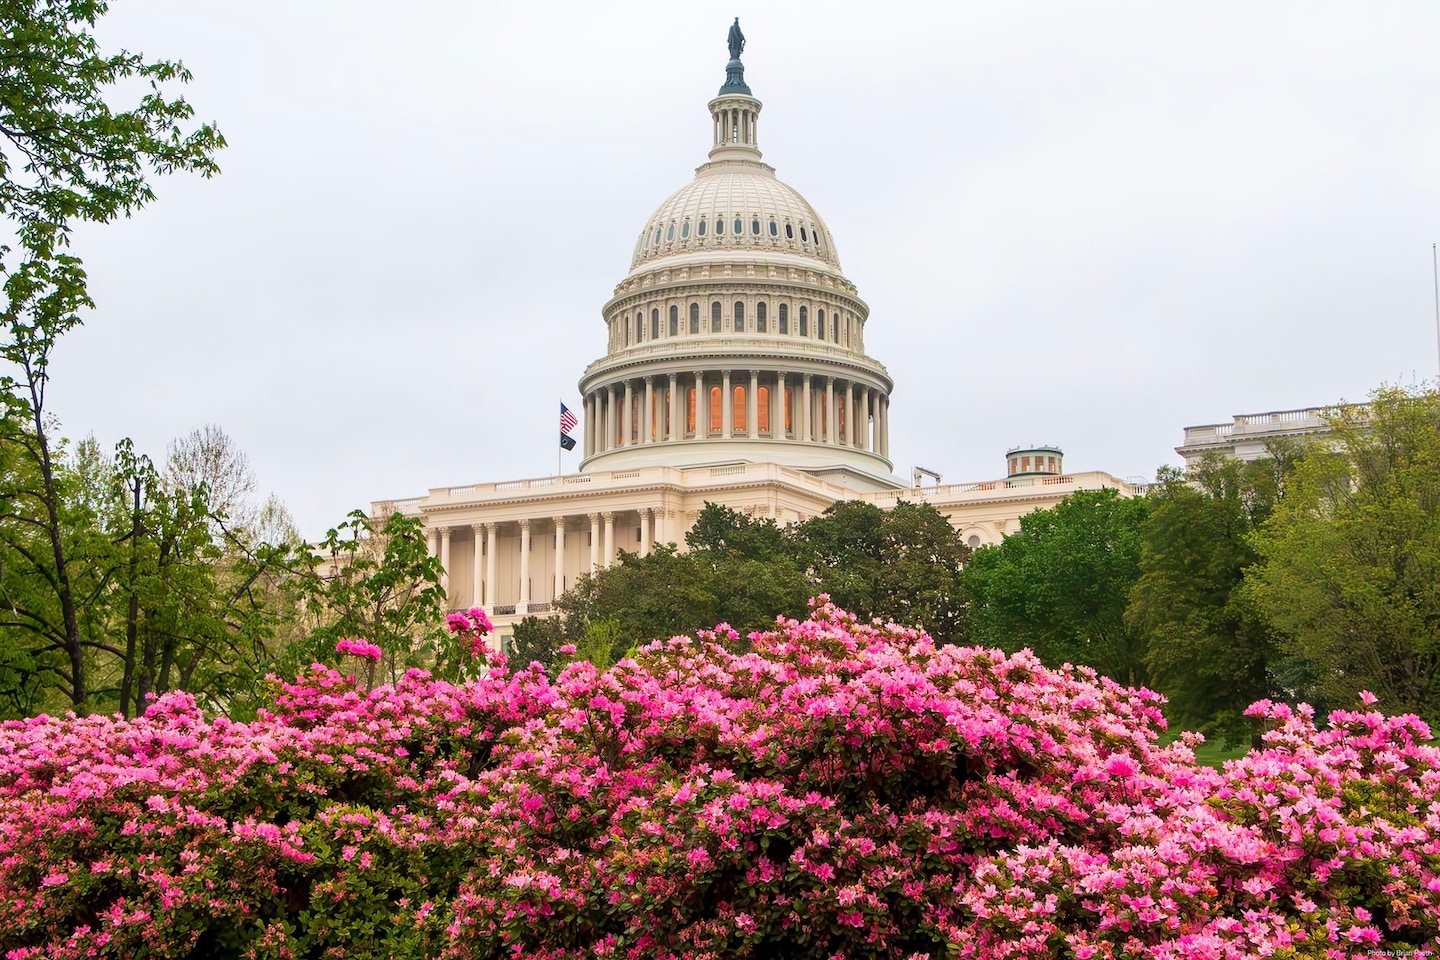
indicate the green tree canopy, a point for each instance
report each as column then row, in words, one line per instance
column 1061, row 584
column 1350, row 560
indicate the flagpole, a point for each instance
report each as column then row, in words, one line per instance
column 559, row 448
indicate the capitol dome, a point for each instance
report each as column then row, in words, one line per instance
column 735, row 337
column 735, row 206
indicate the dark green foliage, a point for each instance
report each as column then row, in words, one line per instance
column 1060, row 585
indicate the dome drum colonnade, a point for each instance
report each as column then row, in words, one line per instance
column 735, row 336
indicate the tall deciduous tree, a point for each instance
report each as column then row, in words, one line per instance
column 1208, row 649
column 67, row 156
column 1350, row 561
column 1061, row 584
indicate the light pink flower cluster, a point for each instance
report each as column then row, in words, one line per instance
column 363, row 649
column 842, row 789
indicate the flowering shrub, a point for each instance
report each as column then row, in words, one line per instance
column 840, row 790
column 360, row 648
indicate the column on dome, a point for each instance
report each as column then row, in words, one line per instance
column 849, row 439
column 752, row 406
column 647, row 416
column 594, row 519
column 805, row 409
column 778, row 408
column 477, row 572
column 612, row 422
column 445, row 558
column 865, row 418
column 885, row 426
column 830, row 432
column 608, row 557
column 727, row 403
column 492, row 543
column 627, row 418
column 675, row 432
column 524, row 566
column 644, row 531
column 702, row 405
column 559, row 558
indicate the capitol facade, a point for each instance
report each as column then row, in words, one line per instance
column 734, row 372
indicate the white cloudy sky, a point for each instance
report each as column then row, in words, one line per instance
column 1083, row 224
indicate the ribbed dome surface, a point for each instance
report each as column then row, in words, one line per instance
column 735, row 206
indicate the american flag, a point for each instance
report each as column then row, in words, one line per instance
column 567, row 419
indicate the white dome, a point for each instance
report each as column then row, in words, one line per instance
column 704, row 215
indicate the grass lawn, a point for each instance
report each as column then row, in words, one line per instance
column 1210, row 753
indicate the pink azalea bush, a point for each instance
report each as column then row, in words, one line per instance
column 842, row 790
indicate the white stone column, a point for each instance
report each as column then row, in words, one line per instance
column 865, row 418
column 609, row 556
column 727, row 403
column 612, row 422
column 830, row 432
column 662, row 525
column 752, row 406
column 559, row 558
column 589, row 424
column 594, row 541
column 492, row 541
column 477, row 570
column 849, row 414
column 445, row 559
column 644, row 531
column 675, row 432
column 884, row 404
column 702, row 407
column 777, row 409
column 627, row 416
column 647, row 416
column 524, row 566
column 805, row 409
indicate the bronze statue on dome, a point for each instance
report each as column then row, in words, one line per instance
column 736, row 40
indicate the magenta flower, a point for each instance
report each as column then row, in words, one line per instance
column 360, row 648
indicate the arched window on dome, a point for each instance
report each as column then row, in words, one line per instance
column 685, row 230
column 804, row 322
column 819, row 324
column 719, row 226
column 715, row 411
column 674, row 320
column 694, row 318
column 835, row 329
column 784, row 319
column 655, row 324
column 739, row 316
column 789, row 405
column 737, row 407
column 690, row 396
column 639, row 326
column 755, row 227
column 635, row 420
column 701, row 229
column 774, row 229
column 627, row 331
column 656, row 241
column 762, row 409
column 739, row 227
column 670, row 233
column 715, row 317
column 789, row 232
column 804, row 237
column 761, row 321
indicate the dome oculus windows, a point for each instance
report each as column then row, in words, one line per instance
column 702, row 226
column 685, row 230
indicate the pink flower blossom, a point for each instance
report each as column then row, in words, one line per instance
column 360, row 648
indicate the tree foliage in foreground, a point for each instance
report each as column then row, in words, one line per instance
column 838, row 790
column 1350, row 561
column 902, row 564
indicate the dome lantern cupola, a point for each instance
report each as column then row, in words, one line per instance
column 735, row 111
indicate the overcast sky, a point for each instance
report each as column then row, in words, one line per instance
column 1081, row 224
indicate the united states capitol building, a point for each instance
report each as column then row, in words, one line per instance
column 734, row 372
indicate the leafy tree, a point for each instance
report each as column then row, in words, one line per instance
column 1208, row 649
column 1350, row 560
column 1061, row 584
column 902, row 565
column 379, row 583
column 67, row 156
